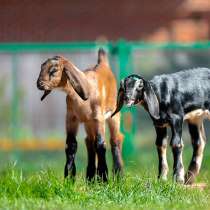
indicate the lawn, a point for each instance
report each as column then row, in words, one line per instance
column 34, row 180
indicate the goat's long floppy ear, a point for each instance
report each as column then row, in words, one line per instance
column 120, row 99
column 151, row 100
column 77, row 80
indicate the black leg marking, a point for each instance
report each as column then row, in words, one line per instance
column 71, row 148
column 91, row 168
column 102, row 169
column 161, row 143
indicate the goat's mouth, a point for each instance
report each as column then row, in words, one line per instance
column 42, row 86
column 46, row 92
column 131, row 102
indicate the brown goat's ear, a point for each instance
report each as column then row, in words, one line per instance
column 151, row 100
column 77, row 80
column 120, row 101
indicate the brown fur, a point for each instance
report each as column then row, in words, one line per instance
column 98, row 86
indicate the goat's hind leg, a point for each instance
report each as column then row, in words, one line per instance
column 161, row 144
column 198, row 139
column 116, row 139
column 71, row 146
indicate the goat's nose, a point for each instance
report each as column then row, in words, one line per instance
column 40, row 85
column 126, row 98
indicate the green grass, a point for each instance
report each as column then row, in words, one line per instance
column 34, row 180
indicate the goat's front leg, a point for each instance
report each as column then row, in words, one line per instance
column 161, row 143
column 91, row 168
column 177, row 147
column 100, row 146
column 71, row 146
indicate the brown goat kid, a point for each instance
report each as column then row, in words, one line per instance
column 91, row 99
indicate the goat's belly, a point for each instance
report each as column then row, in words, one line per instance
column 197, row 115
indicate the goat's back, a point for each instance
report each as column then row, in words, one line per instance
column 193, row 78
column 103, row 85
column 191, row 88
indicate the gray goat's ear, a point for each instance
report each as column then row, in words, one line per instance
column 151, row 100
column 120, row 99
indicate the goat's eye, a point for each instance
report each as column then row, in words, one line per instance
column 52, row 72
column 139, row 88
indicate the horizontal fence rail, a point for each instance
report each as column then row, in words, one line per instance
column 71, row 46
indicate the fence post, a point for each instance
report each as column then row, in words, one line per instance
column 15, row 101
column 127, row 125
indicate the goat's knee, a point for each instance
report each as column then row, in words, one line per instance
column 177, row 144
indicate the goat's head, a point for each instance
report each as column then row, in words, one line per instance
column 135, row 89
column 56, row 72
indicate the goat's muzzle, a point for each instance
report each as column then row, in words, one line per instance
column 40, row 86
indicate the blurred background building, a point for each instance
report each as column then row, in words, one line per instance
column 76, row 20
column 159, row 37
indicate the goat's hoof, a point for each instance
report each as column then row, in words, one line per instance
column 189, row 178
column 163, row 178
column 179, row 179
column 117, row 172
column 70, row 170
column 90, row 173
column 70, row 179
column 90, row 180
column 102, row 176
column 117, row 177
column 102, row 173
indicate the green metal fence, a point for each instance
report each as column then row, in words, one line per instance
column 122, row 50
column 14, row 49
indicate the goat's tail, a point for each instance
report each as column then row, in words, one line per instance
column 102, row 56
